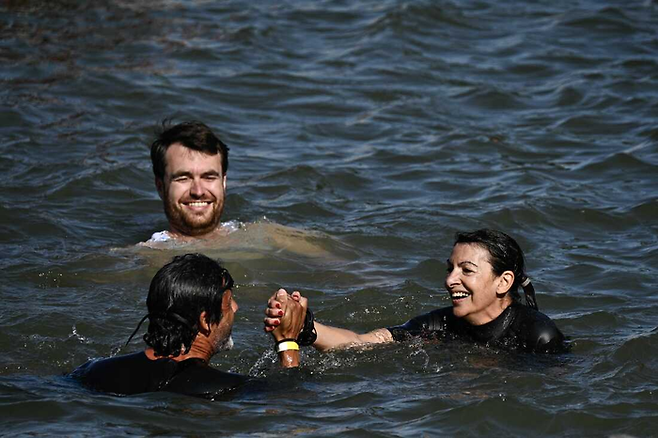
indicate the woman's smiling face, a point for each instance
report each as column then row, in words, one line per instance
column 478, row 295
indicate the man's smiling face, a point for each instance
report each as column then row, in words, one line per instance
column 193, row 191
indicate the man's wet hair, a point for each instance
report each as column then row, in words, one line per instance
column 193, row 135
column 505, row 254
column 179, row 292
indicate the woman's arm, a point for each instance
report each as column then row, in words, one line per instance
column 328, row 337
column 334, row 337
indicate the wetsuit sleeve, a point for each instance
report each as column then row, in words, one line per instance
column 426, row 326
column 549, row 339
column 408, row 330
column 543, row 336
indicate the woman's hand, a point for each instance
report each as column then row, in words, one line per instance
column 285, row 315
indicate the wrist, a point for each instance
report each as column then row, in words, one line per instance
column 288, row 351
column 287, row 344
column 289, row 358
column 308, row 335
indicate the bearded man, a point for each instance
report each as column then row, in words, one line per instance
column 190, row 164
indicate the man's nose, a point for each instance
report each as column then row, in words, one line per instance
column 197, row 188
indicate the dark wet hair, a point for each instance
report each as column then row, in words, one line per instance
column 179, row 292
column 504, row 255
column 193, row 135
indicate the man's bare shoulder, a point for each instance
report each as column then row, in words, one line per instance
column 250, row 240
column 168, row 240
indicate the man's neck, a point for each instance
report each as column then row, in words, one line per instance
column 196, row 352
column 179, row 235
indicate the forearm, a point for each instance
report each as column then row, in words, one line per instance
column 334, row 337
column 289, row 358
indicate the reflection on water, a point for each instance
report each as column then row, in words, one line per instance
column 366, row 133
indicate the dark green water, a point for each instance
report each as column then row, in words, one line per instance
column 377, row 128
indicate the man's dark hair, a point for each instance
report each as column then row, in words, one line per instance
column 193, row 135
column 504, row 253
column 179, row 292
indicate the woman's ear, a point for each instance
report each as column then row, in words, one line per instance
column 506, row 280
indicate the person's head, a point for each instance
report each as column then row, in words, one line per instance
column 190, row 165
column 484, row 272
column 189, row 295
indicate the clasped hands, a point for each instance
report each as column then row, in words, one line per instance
column 285, row 315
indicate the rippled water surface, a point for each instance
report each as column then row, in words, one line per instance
column 363, row 134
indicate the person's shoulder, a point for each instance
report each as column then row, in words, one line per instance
column 166, row 240
column 127, row 374
column 158, row 237
column 99, row 364
column 199, row 379
column 539, row 331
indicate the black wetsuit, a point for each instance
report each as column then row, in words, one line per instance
column 518, row 328
column 135, row 373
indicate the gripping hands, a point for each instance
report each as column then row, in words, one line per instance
column 285, row 315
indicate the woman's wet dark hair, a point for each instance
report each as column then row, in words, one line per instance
column 193, row 135
column 505, row 254
column 179, row 292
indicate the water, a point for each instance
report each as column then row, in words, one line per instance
column 363, row 134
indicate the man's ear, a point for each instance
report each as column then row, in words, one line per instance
column 204, row 326
column 224, row 183
column 159, row 184
column 506, row 280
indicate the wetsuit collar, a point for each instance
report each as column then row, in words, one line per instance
column 493, row 329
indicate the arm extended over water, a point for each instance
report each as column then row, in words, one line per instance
column 328, row 337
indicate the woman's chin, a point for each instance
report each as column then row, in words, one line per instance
column 459, row 311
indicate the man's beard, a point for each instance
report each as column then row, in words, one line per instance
column 190, row 224
column 224, row 344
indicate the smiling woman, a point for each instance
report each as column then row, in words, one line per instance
column 484, row 272
column 485, row 269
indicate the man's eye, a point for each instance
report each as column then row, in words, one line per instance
column 180, row 179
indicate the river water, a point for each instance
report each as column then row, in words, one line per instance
column 363, row 135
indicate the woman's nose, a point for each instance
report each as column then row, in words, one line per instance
column 452, row 277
